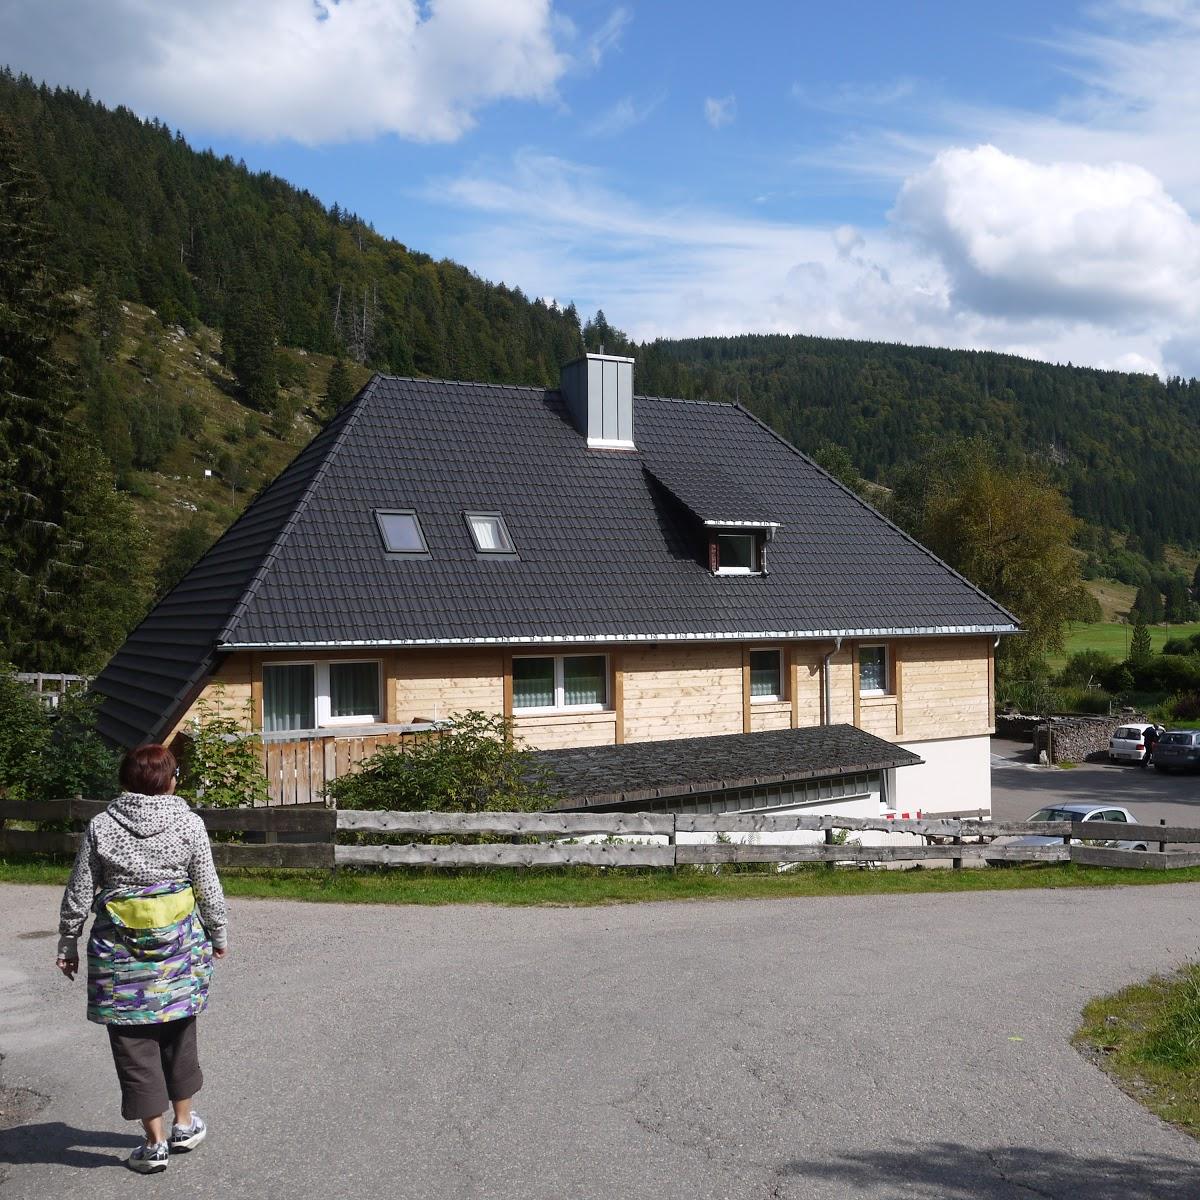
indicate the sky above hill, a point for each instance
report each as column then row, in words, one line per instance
column 1019, row 176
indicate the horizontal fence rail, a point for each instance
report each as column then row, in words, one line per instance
column 310, row 838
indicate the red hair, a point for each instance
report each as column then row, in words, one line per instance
column 148, row 770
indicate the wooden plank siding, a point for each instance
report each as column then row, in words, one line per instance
column 941, row 688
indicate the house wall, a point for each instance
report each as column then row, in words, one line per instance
column 939, row 701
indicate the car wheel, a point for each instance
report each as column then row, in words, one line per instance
column 1142, row 848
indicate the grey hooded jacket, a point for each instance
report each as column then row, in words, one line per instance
column 138, row 841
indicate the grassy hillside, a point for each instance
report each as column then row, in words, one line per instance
column 183, row 371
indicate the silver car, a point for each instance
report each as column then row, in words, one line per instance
column 1128, row 742
column 1077, row 814
column 1178, row 748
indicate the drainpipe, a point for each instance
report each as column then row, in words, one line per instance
column 825, row 707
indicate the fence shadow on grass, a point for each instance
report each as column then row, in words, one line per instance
column 54, row 1143
column 949, row 1171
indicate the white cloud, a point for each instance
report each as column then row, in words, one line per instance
column 314, row 72
column 1063, row 239
column 720, row 111
column 622, row 116
column 608, row 36
column 557, row 228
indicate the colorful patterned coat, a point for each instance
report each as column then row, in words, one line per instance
column 149, row 958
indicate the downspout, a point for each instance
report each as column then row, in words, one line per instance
column 825, row 706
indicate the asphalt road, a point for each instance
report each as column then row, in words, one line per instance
column 905, row 1046
column 1020, row 786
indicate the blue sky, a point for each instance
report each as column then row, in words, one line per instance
column 1019, row 176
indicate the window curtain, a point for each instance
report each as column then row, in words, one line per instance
column 353, row 689
column 583, row 680
column 289, row 697
column 533, row 683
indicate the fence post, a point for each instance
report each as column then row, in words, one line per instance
column 1162, row 846
column 673, row 843
column 956, row 863
column 829, row 863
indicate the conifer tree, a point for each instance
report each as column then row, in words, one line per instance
column 1140, row 648
column 339, row 388
column 248, row 344
column 106, row 317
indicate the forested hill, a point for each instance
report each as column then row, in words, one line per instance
column 193, row 236
column 1125, row 447
column 139, row 215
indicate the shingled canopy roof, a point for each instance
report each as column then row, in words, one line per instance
column 637, row 772
column 602, row 554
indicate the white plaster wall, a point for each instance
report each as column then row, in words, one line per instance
column 955, row 777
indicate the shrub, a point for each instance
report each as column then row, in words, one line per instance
column 50, row 753
column 1185, row 706
column 1084, row 667
column 472, row 766
column 222, row 767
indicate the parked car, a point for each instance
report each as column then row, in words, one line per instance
column 1177, row 748
column 1128, row 743
column 1077, row 814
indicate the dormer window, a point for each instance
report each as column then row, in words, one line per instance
column 489, row 533
column 737, row 554
column 401, row 532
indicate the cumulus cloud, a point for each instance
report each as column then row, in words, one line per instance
column 1065, row 239
column 720, row 111
column 313, row 72
column 558, row 228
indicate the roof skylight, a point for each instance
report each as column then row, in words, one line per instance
column 401, row 531
column 489, row 533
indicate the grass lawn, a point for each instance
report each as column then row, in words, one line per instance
column 1147, row 1038
column 592, row 885
column 1112, row 637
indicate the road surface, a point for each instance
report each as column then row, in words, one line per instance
column 900, row 1046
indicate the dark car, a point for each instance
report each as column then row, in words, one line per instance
column 1177, row 748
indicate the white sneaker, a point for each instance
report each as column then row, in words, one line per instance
column 188, row 1137
column 148, row 1158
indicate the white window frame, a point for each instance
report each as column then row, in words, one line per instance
column 560, row 705
column 886, row 690
column 322, row 702
column 781, row 693
column 507, row 546
column 755, row 555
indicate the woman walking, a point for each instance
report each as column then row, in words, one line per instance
column 145, row 868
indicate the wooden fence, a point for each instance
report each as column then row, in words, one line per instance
column 550, row 838
column 299, row 769
column 51, row 686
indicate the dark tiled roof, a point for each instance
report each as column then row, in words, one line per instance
column 706, row 490
column 603, row 553
column 640, row 771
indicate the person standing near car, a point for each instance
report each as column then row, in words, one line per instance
column 145, row 868
column 1150, row 739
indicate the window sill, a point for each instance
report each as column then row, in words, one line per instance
column 560, row 716
column 878, row 698
column 574, row 711
column 769, row 700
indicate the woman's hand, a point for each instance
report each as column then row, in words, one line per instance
column 68, row 966
column 220, row 953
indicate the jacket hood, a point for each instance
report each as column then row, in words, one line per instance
column 146, row 816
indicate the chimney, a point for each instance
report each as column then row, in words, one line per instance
column 598, row 389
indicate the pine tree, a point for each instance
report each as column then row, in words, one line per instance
column 339, row 388
column 106, row 316
column 248, row 344
column 34, row 398
column 1140, row 649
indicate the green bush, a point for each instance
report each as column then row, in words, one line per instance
column 1184, row 707
column 222, row 767
column 473, row 765
column 51, row 753
column 1084, row 667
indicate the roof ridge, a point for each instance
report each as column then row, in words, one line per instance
column 479, row 383
column 684, row 400
column 286, row 528
column 875, row 512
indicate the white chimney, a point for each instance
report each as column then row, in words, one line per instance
column 598, row 389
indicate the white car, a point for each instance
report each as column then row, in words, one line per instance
column 1077, row 814
column 1128, row 743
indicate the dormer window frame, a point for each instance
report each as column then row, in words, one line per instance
column 508, row 548
column 388, row 549
column 758, row 534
